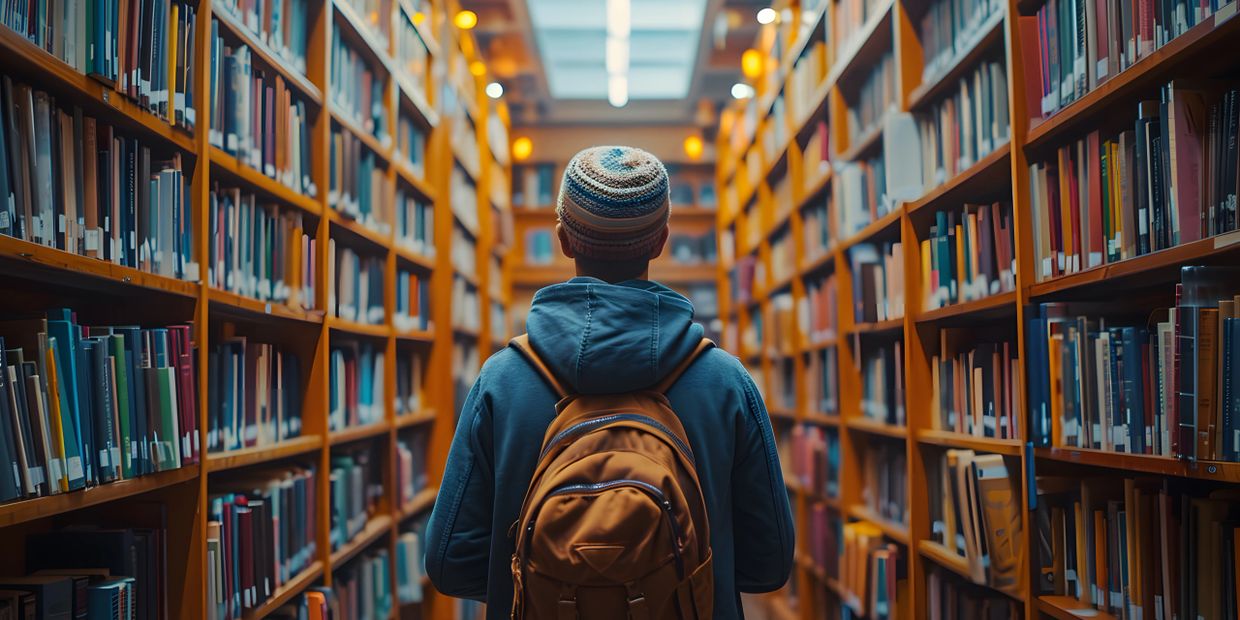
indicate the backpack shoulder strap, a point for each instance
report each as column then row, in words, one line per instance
column 522, row 343
column 666, row 384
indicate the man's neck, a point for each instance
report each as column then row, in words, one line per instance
column 610, row 276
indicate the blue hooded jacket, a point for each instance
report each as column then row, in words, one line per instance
column 610, row 338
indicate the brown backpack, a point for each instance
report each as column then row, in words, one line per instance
column 614, row 522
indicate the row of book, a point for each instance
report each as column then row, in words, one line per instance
column 950, row 29
column 848, row 21
column 808, row 73
column 692, row 249
column 357, row 285
column 412, row 55
column 882, row 382
column 816, row 229
column 884, row 481
column 1168, row 181
column 746, row 278
column 860, row 194
column 781, row 198
column 69, row 182
column 466, row 306
column 540, row 246
column 773, row 135
column 143, row 49
column 823, row 388
column 363, row 587
column 816, row 459
column 376, row 16
column 782, row 389
column 281, row 25
column 356, row 89
column 782, row 257
column 878, row 281
column 410, row 144
column 409, row 571
column 466, row 364
column 358, row 184
column 464, row 252
column 871, row 572
column 688, row 189
column 965, row 126
column 780, row 339
column 260, row 251
column 464, row 199
column 254, row 394
column 824, row 536
column 88, row 405
column 411, row 477
column 1163, row 387
column 413, row 300
column 875, row 95
column 410, row 368
column 1069, row 48
column 949, row 597
column 968, row 255
column 356, row 394
column 261, row 534
column 415, row 223
column 356, row 488
column 257, row 118
column 816, row 154
column 818, row 310
column 1152, row 548
column 534, row 185
column 975, row 514
column 975, row 385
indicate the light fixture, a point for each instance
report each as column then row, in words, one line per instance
column 465, row 20
column 618, row 90
column 751, row 63
column 767, row 15
column 693, row 147
column 478, row 68
column 617, row 55
column 418, row 18
column 740, row 90
column 522, row 148
column 495, row 90
column 619, row 17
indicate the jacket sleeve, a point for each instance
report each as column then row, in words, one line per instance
column 458, row 535
column 762, row 519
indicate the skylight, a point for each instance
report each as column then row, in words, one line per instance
column 661, row 47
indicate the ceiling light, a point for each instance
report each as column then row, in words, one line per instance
column 751, row 63
column 693, row 147
column 766, row 16
column 495, row 90
column 741, row 90
column 522, row 148
column 418, row 18
column 465, row 20
column 618, row 18
column 618, row 90
column 617, row 55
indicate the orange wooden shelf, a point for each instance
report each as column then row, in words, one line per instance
column 948, row 77
column 359, row 35
column 819, row 264
column 993, row 306
column 239, row 172
column 782, row 413
column 948, row 439
column 864, row 142
column 414, row 419
column 878, row 327
column 222, row 461
column 35, row 508
column 895, row 531
column 822, row 419
column 422, row 501
column 420, row 261
column 65, row 270
column 419, row 336
column 405, row 173
column 874, row 427
column 358, row 329
column 819, row 345
column 874, row 229
column 357, row 433
column 814, row 189
column 1219, row 471
column 1068, row 608
column 287, row 591
column 940, row 555
column 376, row 527
column 374, row 145
column 306, row 90
column 416, row 98
column 992, row 170
column 235, row 304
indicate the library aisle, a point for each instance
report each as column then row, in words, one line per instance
column 978, row 257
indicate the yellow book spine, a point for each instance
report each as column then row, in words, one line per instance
column 53, row 408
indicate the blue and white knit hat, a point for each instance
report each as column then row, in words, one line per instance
column 613, row 203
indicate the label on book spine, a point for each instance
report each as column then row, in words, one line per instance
column 74, row 467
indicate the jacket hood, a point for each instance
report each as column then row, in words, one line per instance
column 602, row 338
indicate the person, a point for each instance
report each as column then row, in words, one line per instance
column 610, row 330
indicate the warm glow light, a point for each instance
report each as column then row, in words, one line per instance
column 766, row 16
column 418, row 18
column 618, row 90
column 495, row 90
column 693, row 147
column 741, row 91
column 751, row 63
column 522, row 148
column 619, row 22
column 465, row 20
column 478, row 68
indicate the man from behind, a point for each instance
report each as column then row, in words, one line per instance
column 700, row 465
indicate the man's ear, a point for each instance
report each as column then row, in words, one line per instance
column 565, row 248
column 662, row 244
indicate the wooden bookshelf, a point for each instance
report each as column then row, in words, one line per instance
column 44, row 277
column 751, row 164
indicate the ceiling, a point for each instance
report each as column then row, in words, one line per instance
column 550, row 55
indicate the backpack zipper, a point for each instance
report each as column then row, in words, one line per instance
column 582, row 427
column 655, row 492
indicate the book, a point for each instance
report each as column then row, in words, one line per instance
column 968, row 255
column 412, row 309
column 414, row 223
column 357, row 285
column 949, row 596
column 412, row 55
column 975, row 385
column 411, row 476
column 356, row 486
column 533, row 185
column 356, row 88
column 135, row 553
column 410, row 147
column 410, row 382
column 255, row 392
column 822, row 374
column 860, row 198
column 467, row 310
column 975, row 515
column 816, row 459
column 358, row 187
column 260, row 250
column 818, row 310
column 409, row 571
column 817, row 223
column 878, row 281
column 363, row 587
column 884, row 481
column 281, row 24
column 356, row 394
column 965, row 126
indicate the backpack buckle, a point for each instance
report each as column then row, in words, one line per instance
column 566, row 608
column 638, row 609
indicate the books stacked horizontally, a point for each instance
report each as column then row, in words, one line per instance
column 356, row 487
column 356, row 90
column 1071, row 48
column 878, row 281
column 363, row 588
column 1169, row 180
column 145, row 52
column 412, row 311
column 254, row 394
column 816, row 459
column 976, row 386
column 356, row 395
column 261, row 534
column 1152, row 548
column 968, row 255
column 259, row 250
column 976, row 516
column 87, row 405
column 357, row 285
column 74, row 184
column 965, row 126
column 359, row 187
column 256, row 118
column 871, row 572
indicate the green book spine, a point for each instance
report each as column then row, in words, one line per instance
column 124, row 407
column 170, row 432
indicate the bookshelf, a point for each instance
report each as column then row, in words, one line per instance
column 422, row 114
column 810, row 101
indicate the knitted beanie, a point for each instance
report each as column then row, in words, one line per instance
column 613, row 203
